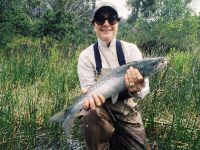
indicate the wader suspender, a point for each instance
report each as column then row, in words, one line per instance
column 120, row 55
column 97, row 58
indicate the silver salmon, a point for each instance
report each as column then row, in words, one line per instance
column 109, row 86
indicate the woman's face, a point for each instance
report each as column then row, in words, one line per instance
column 106, row 26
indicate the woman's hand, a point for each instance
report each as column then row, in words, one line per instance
column 96, row 100
column 134, row 80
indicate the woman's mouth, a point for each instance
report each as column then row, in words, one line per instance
column 105, row 30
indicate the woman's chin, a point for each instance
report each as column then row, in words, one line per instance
column 106, row 38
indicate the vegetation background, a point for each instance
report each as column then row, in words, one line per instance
column 39, row 45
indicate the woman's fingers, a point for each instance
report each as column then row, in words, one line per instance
column 134, row 80
column 86, row 105
column 95, row 101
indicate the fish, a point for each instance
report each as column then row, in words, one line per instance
column 109, row 86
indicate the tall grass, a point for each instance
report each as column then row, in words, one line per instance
column 172, row 108
column 34, row 84
column 38, row 78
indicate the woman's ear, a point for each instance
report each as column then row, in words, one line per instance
column 93, row 25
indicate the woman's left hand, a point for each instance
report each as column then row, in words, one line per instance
column 134, row 80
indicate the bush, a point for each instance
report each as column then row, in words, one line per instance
column 162, row 36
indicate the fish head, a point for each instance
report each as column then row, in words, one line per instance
column 153, row 65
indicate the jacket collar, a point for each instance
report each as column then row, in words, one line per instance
column 103, row 44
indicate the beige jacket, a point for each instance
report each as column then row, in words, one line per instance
column 87, row 66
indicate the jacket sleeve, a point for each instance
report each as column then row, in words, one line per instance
column 86, row 70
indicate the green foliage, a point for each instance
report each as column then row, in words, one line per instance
column 172, row 108
column 13, row 21
column 56, row 19
column 141, row 8
column 54, row 24
column 164, row 9
column 35, row 82
column 39, row 46
column 169, row 25
column 168, row 10
column 162, row 36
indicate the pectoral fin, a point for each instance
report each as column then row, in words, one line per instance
column 114, row 98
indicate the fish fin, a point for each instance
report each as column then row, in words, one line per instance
column 67, row 124
column 114, row 98
column 58, row 117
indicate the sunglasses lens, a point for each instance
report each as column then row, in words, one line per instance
column 112, row 20
column 99, row 20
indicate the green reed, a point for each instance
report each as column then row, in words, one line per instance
column 35, row 82
column 38, row 79
column 172, row 108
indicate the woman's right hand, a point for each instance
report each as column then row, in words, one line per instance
column 96, row 100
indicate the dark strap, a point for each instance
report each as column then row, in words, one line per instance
column 97, row 58
column 120, row 56
column 121, row 59
column 120, row 53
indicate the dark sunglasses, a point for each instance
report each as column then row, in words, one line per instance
column 100, row 20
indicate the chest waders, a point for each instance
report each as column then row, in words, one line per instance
column 129, row 133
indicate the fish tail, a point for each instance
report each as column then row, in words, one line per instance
column 58, row 117
column 67, row 124
column 66, row 118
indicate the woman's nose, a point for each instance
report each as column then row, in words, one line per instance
column 106, row 22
